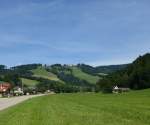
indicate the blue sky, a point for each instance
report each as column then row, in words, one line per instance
column 96, row 32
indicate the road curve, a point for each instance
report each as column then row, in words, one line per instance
column 8, row 102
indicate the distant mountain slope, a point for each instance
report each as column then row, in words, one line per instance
column 101, row 70
column 110, row 68
column 55, row 76
column 72, row 74
column 67, row 78
column 30, row 74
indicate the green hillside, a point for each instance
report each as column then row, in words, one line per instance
column 60, row 78
column 81, row 109
column 29, row 82
column 81, row 77
column 80, row 74
column 135, row 76
column 101, row 69
column 110, row 68
column 41, row 72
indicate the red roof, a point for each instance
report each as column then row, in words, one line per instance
column 5, row 87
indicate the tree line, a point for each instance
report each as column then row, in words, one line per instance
column 67, row 83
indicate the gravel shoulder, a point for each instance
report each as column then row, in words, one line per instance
column 8, row 102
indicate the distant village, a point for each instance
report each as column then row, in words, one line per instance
column 6, row 90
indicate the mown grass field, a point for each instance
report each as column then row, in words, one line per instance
column 78, row 73
column 81, row 109
column 41, row 72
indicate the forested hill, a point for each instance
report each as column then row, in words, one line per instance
column 134, row 76
column 101, row 69
column 81, row 77
column 111, row 68
column 57, row 76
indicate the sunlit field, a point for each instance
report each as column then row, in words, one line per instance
column 131, row 108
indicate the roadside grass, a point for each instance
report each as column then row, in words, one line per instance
column 78, row 73
column 131, row 108
column 41, row 72
column 29, row 82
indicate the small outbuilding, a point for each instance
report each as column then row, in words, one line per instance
column 117, row 89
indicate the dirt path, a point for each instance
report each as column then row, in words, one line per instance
column 8, row 102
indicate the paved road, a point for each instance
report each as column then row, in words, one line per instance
column 8, row 102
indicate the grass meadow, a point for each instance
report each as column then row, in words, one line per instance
column 41, row 72
column 78, row 73
column 131, row 108
column 29, row 82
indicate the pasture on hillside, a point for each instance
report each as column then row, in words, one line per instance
column 84, row 76
column 41, row 72
column 29, row 82
column 131, row 108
